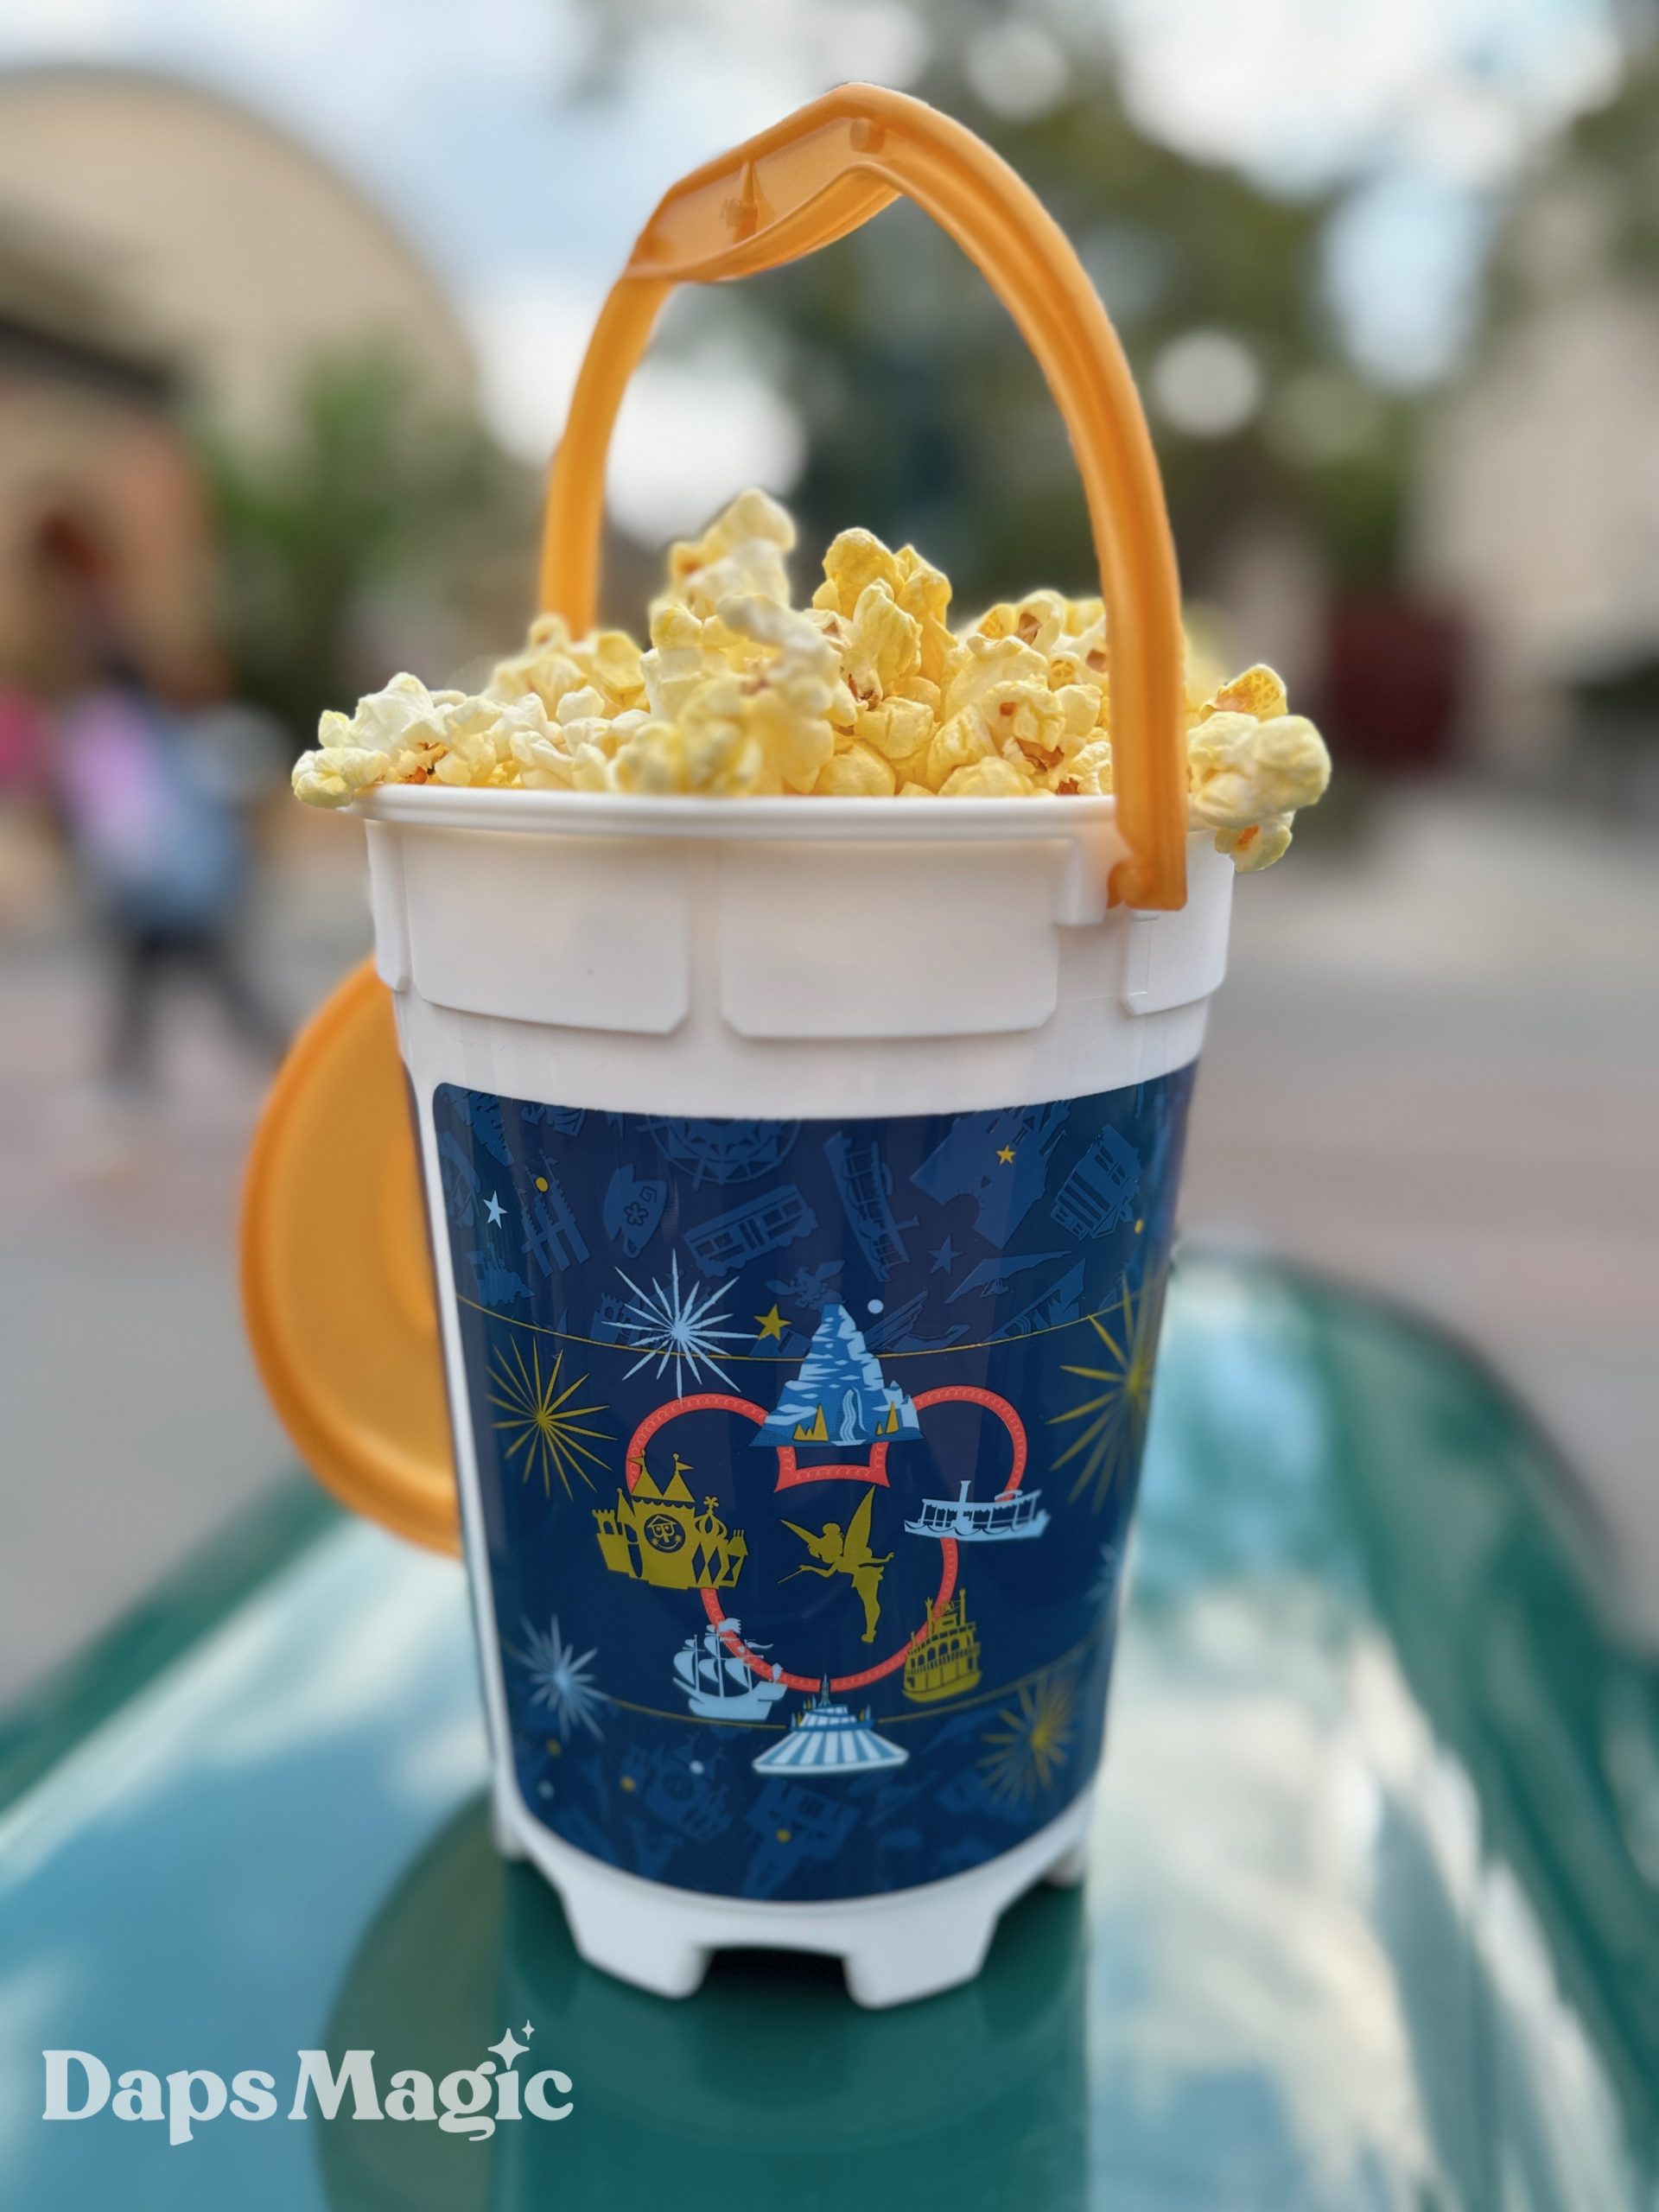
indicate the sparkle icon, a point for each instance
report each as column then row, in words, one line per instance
column 510, row 2050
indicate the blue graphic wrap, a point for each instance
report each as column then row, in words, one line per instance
column 807, row 1452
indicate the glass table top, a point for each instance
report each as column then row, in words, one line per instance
column 1372, row 1918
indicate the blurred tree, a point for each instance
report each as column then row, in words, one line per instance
column 373, row 533
column 1592, row 209
column 927, row 418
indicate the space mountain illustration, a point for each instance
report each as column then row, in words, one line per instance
column 838, row 1395
column 829, row 1738
column 717, row 1685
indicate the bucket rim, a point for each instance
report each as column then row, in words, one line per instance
column 779, row 820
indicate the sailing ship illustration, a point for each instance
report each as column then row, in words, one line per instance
column 981, row 1521
column 829, row 1738
column 946, row 1660
column 717, row 1684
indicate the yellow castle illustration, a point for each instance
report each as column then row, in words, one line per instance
column 946, row 1660
column 655, row 1534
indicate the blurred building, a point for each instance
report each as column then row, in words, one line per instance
column 98, row 489
column 166, row 253
column 1538, row 498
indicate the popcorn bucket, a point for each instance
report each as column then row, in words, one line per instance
column 799, row 1180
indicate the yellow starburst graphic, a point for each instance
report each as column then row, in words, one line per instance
column 1115, row 1415
column 1033, row 1742
column 538, row 1420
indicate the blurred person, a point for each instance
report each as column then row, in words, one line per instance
column 153, row 800
column 155, row 827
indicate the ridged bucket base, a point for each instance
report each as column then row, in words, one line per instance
column 907, row 1944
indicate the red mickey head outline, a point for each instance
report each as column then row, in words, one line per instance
column 791, row 1474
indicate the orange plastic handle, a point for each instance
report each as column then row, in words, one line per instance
column 809, row 180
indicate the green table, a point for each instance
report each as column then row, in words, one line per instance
column 1373, row 1918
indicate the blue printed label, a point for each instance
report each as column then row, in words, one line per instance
column 807, row 1450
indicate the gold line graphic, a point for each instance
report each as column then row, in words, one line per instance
column 889, row 1719
column 771, row 1360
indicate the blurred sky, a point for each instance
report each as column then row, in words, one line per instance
column 523, row 167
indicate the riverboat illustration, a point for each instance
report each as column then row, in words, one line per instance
column 946, row 1660
column 981, row 1521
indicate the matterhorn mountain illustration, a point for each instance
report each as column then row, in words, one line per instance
column 839, row 1394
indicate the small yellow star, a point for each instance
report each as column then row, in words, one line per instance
column 1006, row 1155
column 771, row 1324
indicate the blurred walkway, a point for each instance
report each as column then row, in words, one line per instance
column 1433, row 1069
column 134, row 1420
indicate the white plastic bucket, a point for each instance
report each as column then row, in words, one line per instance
column 590, row 992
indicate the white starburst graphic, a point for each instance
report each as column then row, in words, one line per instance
column 563, row 1681
column 681, row 1326
column 1103, row 1589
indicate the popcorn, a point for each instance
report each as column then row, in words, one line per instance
column 1087, row 774
column 981, row 663
column 742, row 550
column 898, row 728
column 334, row 774
column 545, row 670
column 867, row 693
column 1258, row 845
column 1241, row 771
column 1038, row 621
column 1026, row 717
column 1260, row 691
column 885, row 645
column 963, row 741
column 858, row 772
column 992, row 778
column 856, row 560
column 1079, row 657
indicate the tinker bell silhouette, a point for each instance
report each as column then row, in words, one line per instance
column 847, row 1554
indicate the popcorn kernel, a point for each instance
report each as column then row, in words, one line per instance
column 867, row 693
